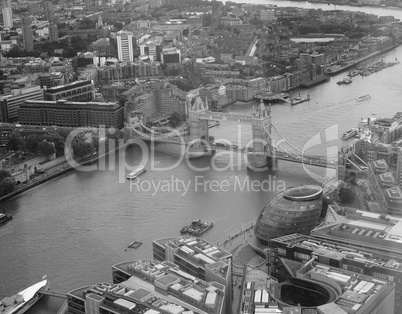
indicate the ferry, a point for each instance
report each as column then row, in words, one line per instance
column 364, row 97
column 23, row 300
column 349, row 134
column 136, row 173
column 197, row 227
column 4, row 218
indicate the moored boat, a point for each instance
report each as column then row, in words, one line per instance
column 136, row 173
column 23, row 300
column 347, row 80
column 349, row 134
column 4, row 218
column 197, row 227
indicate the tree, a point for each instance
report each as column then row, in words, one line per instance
column 346, row 196
column 176, row 119
column 4, row 174
column 46, row 149
column 15, row 143
column 7, row 186
column 31, row 143
column 82, row 149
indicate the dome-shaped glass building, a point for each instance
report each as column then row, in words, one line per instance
column 296, row 210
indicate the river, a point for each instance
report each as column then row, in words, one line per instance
column 75, row 227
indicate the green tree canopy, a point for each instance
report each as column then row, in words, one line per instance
column 15, row 143
column 46, row 149
column 4, row 174
column 7, row 185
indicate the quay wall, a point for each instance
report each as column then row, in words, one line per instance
column 374, row 54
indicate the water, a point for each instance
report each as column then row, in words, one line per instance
column 76, row 226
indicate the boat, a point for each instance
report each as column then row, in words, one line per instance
column 23, row 300
column 4, row 218
column 197, row 227
column 347, row 80
column 340, row 82
column 349, row 134
column 136, row 173
column 364, row 97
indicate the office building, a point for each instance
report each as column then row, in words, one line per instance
column 75, row 91
column 27, row 34
column 7, row 14
column 198, row 258
column 302, row 248
column 10, row 104
column 296, row 210
column 125, row 46
column 147, row 287
column 312, row 287
column 384, row 187
column 65, row 113
column 170, row 55
column 53, row 32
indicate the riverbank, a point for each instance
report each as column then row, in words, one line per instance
column 54, row 172
column 336, row 69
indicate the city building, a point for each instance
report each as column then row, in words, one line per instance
column 75, row 91
column 399, row 168
column 65, row 113
column 384, row 187
column 10, row 104
column 148, row 287
column 198, row 258
column 7, row 14
column 170, row 55
column 312, row 287
column 296, row 210
column 113, row 91
column 27, row 34
column 49, row 11
column 102, row 45
column 155, row 99
column 53, row 32
column 268, row 15
column 125, row 46
column 302, row 248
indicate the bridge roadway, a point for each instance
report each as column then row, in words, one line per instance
column 53, row 294
column 219, row 116
column 312, row 160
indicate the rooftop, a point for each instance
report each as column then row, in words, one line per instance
column 176, row 285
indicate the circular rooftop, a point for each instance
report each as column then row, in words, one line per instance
column 303, row 193
column 296, row 210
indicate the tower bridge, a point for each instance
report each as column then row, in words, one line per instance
column 268, row 144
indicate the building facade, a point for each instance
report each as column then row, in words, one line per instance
column 64, row 113
column 27, row 34
column 125, row 46
column 76, row 91
column 7, row 14
column 10, row 104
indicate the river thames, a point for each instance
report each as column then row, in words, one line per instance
column 75, row 227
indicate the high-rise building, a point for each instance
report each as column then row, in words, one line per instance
column 125, row 46
column 49, row 11
column 53, row 32
column 7, row 14
column 27, row 34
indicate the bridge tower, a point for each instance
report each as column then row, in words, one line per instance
column 262, row 144
column 198, row 128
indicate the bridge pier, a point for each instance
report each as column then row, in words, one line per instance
column 272, row 163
